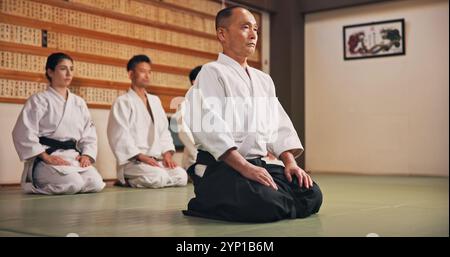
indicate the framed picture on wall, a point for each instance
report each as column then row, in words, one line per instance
column 375, row 39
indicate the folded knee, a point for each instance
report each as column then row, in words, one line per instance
column 93, row 185
column 317, row 198
column 74, row 188
column 153, row 181
column 67, row 188
column 181, row 177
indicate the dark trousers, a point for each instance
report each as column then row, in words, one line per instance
column 223, row 193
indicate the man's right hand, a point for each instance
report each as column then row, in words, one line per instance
column 53, row 160
column 258, row 174
column 235, row 160
column 148, row 160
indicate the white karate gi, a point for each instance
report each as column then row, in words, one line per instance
column 132, row 131
column 48, row 114
column 226, row 83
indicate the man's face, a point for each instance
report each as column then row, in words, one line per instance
column 241, row 35
column 140, row 75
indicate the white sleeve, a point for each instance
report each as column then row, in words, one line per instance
column 284, row 138
column 26, row 130
column 203, row 116
column 184, row 133
column 119, row 137
column 166, row 141
column 88, row 140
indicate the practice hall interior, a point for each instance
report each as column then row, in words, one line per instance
column 217, row 118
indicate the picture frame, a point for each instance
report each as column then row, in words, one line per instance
column 374, row 39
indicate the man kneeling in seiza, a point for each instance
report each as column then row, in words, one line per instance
column 235, row 118
column 138, row 134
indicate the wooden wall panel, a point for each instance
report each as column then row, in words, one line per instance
column 101, row 35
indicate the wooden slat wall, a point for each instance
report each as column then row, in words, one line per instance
column 101, row 35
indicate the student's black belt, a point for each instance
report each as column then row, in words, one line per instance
column 53, row 146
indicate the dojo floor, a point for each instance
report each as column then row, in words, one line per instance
column 353, row 206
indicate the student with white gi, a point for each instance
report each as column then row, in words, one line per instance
column 55, row 136
column 138, row 134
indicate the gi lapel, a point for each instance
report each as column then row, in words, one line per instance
column 153, row 131
column 236, row 67
column 66, row 117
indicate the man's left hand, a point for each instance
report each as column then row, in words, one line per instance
column 303, row 178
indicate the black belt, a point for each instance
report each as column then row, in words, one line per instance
column 207, row 159
column 53, row 146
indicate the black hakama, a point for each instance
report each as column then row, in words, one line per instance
column 223, row 193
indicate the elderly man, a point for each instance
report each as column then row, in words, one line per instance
column 236, row 119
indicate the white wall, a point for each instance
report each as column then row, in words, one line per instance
column 381, row 115
column 10, row 166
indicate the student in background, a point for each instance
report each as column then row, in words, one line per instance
column 55, row 136
column 138, row 134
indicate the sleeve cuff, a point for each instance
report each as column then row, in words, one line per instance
column 167, row 149
column 90, row 153
column 217, row 153
column 124, row 159
column 33, row 153
column 296, row 150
